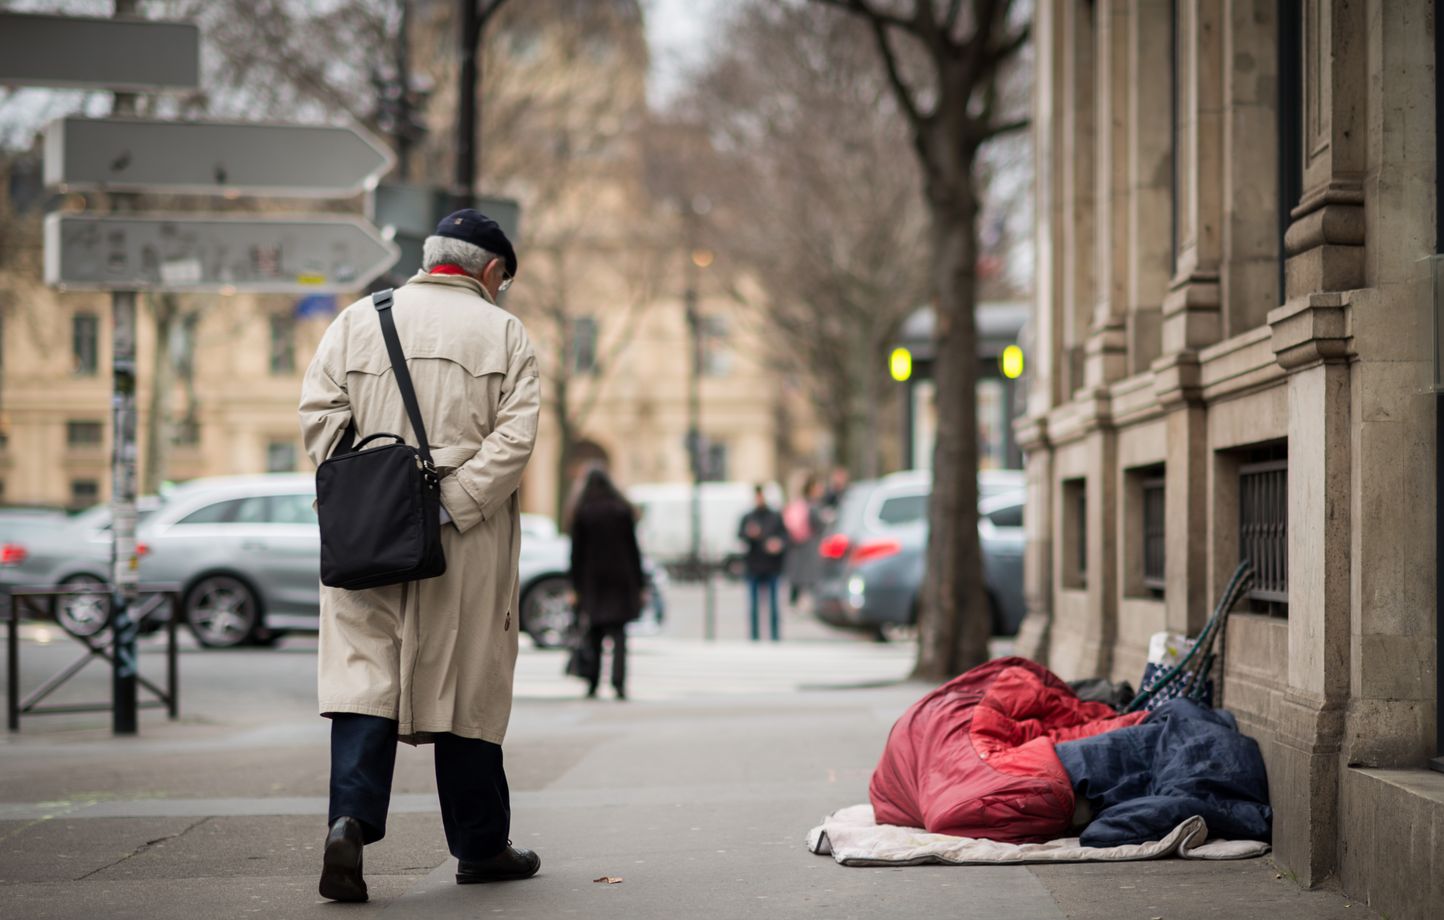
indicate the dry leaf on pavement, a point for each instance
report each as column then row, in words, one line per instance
column 608, row 880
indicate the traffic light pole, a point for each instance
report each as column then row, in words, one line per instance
column 124, row 563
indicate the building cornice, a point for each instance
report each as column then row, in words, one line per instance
column 1313, row 329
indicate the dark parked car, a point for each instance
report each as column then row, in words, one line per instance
column 874, row 555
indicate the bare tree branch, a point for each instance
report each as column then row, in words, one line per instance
column 1006, row 127
column 950, row 21
column 867, row 10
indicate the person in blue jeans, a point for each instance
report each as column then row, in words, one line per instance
column 765, row 535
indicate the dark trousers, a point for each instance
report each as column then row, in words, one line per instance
column 618, row 633
column 755, row 585
column 470, row 781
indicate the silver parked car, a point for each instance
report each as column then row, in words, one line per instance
column 246, row 551
column 44, row 550
column 547, row 614
column 874, row 554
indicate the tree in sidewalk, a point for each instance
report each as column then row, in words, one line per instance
column 815, row 199
column 946, row 63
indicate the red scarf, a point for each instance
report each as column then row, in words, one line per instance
column 447, row 268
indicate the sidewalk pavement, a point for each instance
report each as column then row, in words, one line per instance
column 699, row 798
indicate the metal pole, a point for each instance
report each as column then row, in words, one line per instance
column 404, row 115
column 124, row 564
column 172, row 661
column 12, row 678
column 694, row 426
column 466, row 113
column 694, row 445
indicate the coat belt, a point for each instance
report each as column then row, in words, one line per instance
column 449, row 458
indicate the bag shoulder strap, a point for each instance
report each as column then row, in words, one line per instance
column 382, row 301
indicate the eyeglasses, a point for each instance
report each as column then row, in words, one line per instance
column 505, row 278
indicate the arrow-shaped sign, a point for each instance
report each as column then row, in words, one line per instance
column 124, row 54
column 200, row 253
column 208, row 157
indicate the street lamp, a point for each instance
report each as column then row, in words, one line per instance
column 698, row 259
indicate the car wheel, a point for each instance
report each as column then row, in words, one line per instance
column 546, row 612
column 83, row 615
column 222, row 611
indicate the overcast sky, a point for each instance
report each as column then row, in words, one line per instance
column 679, row 33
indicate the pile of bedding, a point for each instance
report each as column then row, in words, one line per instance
column 1003, row 763
column 975, row 758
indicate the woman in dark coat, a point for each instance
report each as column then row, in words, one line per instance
column 606, row 575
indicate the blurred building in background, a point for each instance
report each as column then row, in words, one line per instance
column 605, row 264
column 1236, row 210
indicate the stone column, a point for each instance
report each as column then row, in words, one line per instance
column 1049, row 385
column 1035, row 634
column 1392, row 668
column 1076, row 45
column 1325, row 241
column 1249, row 273
column 1191, row 311
column 1178, row 387
column 1046, row 374
column 1150, row 164
column 1106, row 352
column 1311, row 343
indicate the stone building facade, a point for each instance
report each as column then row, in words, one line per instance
column 1236, row 214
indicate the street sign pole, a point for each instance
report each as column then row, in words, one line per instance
column 124, row 564
column 124, row 572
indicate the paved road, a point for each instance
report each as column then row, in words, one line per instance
column 698, row 793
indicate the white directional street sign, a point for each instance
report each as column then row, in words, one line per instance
column 215, row 253
column 132, row 154
column 120, row 54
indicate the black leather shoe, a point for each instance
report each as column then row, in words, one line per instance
column 341, row 865
column 511, row 864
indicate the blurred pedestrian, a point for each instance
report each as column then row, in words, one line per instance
column 765, row 535
column 431, row 661
column 804, row 520
column 607, row 576
column 837, row 483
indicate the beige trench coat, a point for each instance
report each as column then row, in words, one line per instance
column 436, row 655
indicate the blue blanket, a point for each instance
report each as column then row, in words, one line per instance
column 1185, row 760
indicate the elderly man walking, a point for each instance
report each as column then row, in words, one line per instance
column 431, row 661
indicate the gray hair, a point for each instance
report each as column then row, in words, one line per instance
column 443, row 250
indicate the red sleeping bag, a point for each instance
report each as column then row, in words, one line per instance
column 975, row 757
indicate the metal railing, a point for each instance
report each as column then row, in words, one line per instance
column 1263, row 528
column 38, row 602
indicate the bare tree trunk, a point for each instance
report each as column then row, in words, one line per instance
column 955, row 622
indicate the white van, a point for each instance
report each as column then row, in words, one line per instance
column 665, row 528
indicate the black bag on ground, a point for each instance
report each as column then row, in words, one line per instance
column 583, row 661
column 380, row 507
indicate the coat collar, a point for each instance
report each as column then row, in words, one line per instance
column 462, row 282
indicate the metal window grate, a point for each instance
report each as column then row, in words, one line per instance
column 1153, row 533
column 1263, row 527
column 1082, row 524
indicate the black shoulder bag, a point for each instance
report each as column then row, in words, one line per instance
column 380, row 507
